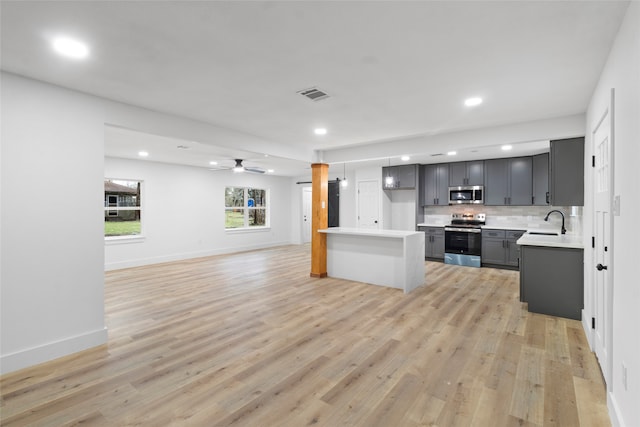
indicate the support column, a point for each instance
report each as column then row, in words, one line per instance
column 319, row 218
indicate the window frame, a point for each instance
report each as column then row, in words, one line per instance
column 246, row 209
column 127, row 238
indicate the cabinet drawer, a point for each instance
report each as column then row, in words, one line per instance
column 515, row 234
column 436, row 231
column 496, row 234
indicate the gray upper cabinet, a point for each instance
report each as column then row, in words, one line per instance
column 434, row 183
column 466, row 173
column 566, row 184
column 404, row 177
column 541, row 179
column 508, row 181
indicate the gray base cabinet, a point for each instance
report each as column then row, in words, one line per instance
column 552, row 280
column 499, row 248
column 433, row 242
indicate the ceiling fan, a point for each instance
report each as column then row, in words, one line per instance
column 240, row 168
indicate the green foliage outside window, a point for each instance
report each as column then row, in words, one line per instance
column 245, row 207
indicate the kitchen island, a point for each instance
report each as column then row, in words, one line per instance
column 390, row 258
column 551, row 274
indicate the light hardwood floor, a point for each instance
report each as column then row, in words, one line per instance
column 251, row 340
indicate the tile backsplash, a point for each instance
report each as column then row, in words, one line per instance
column 529, row 216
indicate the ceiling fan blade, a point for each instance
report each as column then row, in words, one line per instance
column 254, row 170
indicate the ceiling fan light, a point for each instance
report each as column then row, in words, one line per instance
column 238, row 167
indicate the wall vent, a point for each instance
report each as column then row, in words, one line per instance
column 313, row 94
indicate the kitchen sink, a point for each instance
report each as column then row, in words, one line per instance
column 544, row 233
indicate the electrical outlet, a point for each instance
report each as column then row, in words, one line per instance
column 616, row 206
column 624, row 376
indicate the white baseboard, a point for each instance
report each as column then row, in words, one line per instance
column 53, row 350
column 614, row 411
column 187, row 255
column 588, row 331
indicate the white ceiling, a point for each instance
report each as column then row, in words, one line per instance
column 393, row 69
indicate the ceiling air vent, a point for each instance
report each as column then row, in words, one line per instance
column 313, row 94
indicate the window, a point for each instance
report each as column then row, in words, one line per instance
column 245, row 208
column 122, row 212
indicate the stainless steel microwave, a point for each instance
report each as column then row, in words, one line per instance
column 466, row 194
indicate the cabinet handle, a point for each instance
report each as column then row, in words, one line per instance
column 547, row 197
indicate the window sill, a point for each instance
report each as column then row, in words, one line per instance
column 246, row 230
column 121, row 240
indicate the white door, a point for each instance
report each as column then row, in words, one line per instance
column 306, row 214
column 602, row 283
column 368, row 204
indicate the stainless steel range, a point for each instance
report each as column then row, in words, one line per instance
column 463, row 239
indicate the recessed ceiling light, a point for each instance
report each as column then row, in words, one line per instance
column 472, row 102
column 506, row 147
column 320, row 131
column 213, row 163
column 451, row 153
column 270, row 171
column 70, row 48
column 143, row 153
column 405, row 158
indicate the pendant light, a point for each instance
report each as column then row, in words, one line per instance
column 344, row 182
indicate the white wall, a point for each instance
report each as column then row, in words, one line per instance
column 403, row 209
column 52, row 247
column 348, row 194
column 183, row 213
column 52, row 275
column 622, row 72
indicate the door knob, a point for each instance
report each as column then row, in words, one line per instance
column 601, row 267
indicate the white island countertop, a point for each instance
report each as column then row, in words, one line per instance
column 561, row 241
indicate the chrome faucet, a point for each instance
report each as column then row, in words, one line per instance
column 562, row 230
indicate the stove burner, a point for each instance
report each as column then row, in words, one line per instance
column 467, row 220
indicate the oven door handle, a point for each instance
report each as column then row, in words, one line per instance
column 464, row 230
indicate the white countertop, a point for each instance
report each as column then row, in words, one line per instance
column 490, row 227
column 505, row 227
column 398, row 234
column 561, row 241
